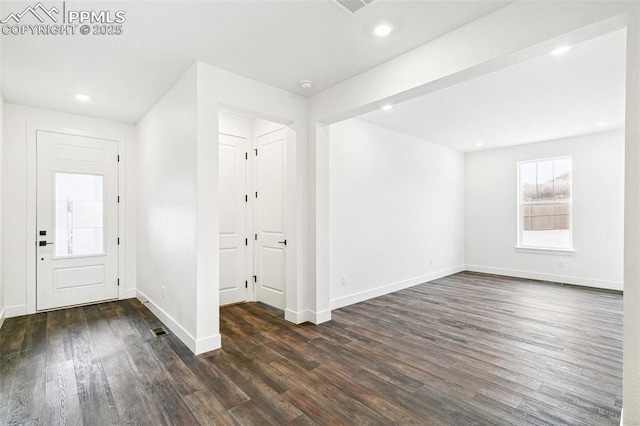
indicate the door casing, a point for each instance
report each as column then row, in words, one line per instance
column 31, row 230
column 85, row 278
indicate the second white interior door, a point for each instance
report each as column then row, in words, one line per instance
column 271, row 243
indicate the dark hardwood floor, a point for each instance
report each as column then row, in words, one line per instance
column 469, row 349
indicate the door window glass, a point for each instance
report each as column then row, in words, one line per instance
column 79, row 212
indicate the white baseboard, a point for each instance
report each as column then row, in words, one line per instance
column 15, row 311
column 565, row 279
column 319, row 317
column 129, row 294
column 208, row 344
column 296, row 317
column 197, row 346
column 307, row 316
column 2, row 317
column 390, row 288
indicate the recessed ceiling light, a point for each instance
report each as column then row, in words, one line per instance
column 560, row 50
column 382, row 30
column 601, row 123
column 82, row 98
column 479, row 144
column 387, row 107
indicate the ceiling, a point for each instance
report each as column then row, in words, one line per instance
column 546, row 98
column 276, row 42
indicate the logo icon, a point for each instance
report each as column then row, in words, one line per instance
column 36, row 11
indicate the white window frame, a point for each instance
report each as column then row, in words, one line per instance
column 520, row 226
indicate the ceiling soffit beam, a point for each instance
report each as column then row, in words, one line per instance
column 427, row 68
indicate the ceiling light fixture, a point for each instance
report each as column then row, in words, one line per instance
column 382, row 30
column 479, row 144
column 601, row 123
column 306, row 84
column 82, row 98
column 387, row 107
column 560, row 50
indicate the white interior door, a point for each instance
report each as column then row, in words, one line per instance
column 77, row 220
column 270, row 218
column 233, row 219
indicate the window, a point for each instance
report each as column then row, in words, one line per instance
column 544, row 195
column 79, row 213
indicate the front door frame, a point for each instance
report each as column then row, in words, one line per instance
column 31, row 229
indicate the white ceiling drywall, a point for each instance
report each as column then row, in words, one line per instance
column 276, row 42
column 546, row 98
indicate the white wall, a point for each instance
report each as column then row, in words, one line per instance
column 396, row 211
column 167, row 221
column 2, row 311
column 18, row 198
column 218, row 89
column 179, row 214
column 474, row 49
column 236, row 125
column 631, row 338
column 598, row 212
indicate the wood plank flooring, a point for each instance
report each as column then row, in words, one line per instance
column 469, row 349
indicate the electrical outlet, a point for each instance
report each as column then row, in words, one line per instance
column 162, row 293
column 430, row 262
column 345, row 280
column 560, row 264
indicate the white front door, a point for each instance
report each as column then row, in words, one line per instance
column 77, row 220
column 233, row 219
column 271, row 254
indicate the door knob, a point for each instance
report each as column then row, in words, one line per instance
column 283, row 242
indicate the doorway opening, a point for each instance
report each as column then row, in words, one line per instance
column 253, row 196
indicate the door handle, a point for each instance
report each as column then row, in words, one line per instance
column 43, row 243
column 283, row 242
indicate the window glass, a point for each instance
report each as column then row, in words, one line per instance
column 79, row 213
column 545, row 203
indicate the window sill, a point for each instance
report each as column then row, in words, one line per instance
column 543, row 250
